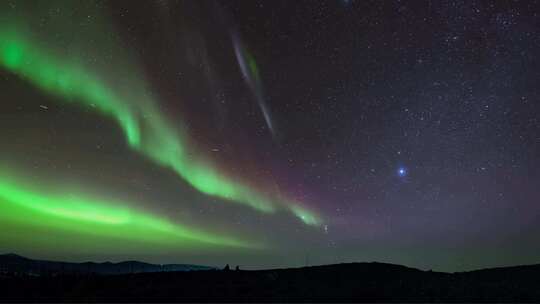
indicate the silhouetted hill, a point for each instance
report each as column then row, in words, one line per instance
column 355, row 282
column 12, row 264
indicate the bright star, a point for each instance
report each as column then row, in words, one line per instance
column 402, row 172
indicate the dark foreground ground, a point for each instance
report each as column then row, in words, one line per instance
column 358, row 282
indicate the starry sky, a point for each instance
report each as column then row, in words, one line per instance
column 271, row 133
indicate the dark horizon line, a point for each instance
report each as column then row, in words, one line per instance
column 270, row 269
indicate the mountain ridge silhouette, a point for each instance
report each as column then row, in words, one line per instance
column 14, row 263
column 346, row 282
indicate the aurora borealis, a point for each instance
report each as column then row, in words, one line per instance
column 146, row 131
column 74, row 213
column 162, row 143
column 270, row 133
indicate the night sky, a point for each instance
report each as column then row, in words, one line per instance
column 271, row 133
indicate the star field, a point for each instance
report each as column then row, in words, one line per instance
column 259, row 132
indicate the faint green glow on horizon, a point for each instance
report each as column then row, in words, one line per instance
column 75, row 212
column 146, row 129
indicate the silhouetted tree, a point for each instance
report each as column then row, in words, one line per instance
column 227, row 268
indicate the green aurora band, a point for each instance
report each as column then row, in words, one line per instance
column 145, row 128
column 87, row 216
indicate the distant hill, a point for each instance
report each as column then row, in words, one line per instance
column 11, row 264
column 352, row 282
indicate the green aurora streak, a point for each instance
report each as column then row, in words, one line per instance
column 82, row 215
column 146, row 129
